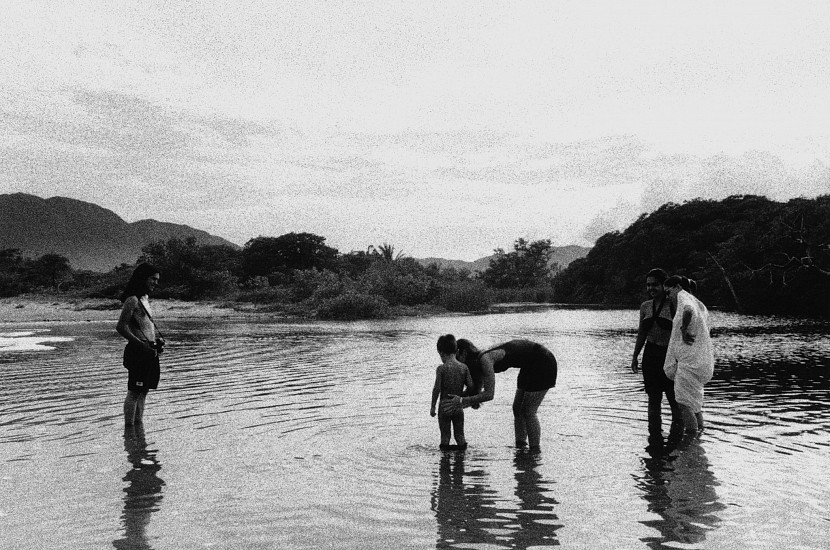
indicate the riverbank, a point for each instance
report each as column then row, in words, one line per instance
column 51, row 308
column 32, row 309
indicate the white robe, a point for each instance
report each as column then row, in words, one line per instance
column 690, row 366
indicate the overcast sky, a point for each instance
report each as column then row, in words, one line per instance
column 446, row 129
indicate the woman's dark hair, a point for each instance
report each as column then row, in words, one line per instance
column 678, row 280
column 658, row 274
column 447, row 344
column 137, row 285
column 472, row 359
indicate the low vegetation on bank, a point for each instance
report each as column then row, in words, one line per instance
column 297, row 274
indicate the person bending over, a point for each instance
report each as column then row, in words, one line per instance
column 537, row 374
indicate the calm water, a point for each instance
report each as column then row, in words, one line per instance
column 268, row 435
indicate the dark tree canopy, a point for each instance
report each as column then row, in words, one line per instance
column 745, row 252
column 526, row 266
column 266, row 256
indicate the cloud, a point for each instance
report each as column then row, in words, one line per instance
column 124, row 152
column 454, row 194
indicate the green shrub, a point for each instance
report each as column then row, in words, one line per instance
column 353, row 306
column 400, row 283
column 540, row 295
column 465, row 296
column 266, row 295
column 318, row 284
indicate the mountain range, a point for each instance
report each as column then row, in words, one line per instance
column 94, row 238
column 562, row 256
column 89, row 236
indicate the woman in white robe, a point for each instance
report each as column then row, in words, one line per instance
column 690, row 359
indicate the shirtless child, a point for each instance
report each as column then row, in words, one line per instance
column 452, row 377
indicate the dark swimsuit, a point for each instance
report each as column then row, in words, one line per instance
column 654, row 355
column 536, row 364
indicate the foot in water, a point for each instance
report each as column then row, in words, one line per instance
column 655, row 446
column 448, row 447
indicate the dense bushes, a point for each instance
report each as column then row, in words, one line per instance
column 352, row 306
column 464, row 296
column 746, row 253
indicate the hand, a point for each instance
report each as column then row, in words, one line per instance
column 635, row 366
column 688, row 338
column 451, row 405
column 432, row 411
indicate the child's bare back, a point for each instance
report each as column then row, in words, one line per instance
column 454, row 375
column 451, row 378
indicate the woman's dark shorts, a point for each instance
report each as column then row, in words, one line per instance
column 143, row 368
column 654, row 376
column 540, row 372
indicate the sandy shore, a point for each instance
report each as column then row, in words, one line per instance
column 31, row 309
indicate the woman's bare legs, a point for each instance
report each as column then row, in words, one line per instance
column 689, row 419
column 525, row 420
column 134, row 407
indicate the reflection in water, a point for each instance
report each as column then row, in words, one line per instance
column 463, row 510
column 681, row 490
column 143, row 490
column 537, row 521
column 470, row 513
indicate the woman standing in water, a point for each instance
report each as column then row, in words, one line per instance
column 654, row 332
column 690, row 359
column 537, row 374
column 144, row 344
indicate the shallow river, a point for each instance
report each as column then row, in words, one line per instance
column 274, row 435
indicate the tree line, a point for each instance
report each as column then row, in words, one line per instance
column 299, row 274
column 747, row 253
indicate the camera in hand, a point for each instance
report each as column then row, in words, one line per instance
column 158, row 345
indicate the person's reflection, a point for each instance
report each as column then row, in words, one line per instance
column 463, row 508
column 143, row 490
column 537, row 520
column 681, row 490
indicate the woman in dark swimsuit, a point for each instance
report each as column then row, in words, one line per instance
column 537, row 374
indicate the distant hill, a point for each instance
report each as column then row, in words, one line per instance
column 562, row 255
column 90, row 236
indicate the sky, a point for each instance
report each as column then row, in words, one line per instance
column 446, row 129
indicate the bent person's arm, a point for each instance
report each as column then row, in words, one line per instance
column 488, row 383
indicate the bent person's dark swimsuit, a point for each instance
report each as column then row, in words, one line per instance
column 536, row 364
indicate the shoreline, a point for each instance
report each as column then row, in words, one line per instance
column 68, row 309
column 52, row 309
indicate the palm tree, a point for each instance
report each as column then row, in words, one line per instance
column 387, row 252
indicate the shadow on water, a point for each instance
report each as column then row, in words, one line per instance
column 469, row 512
column 681, row 490
column 142, row 493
